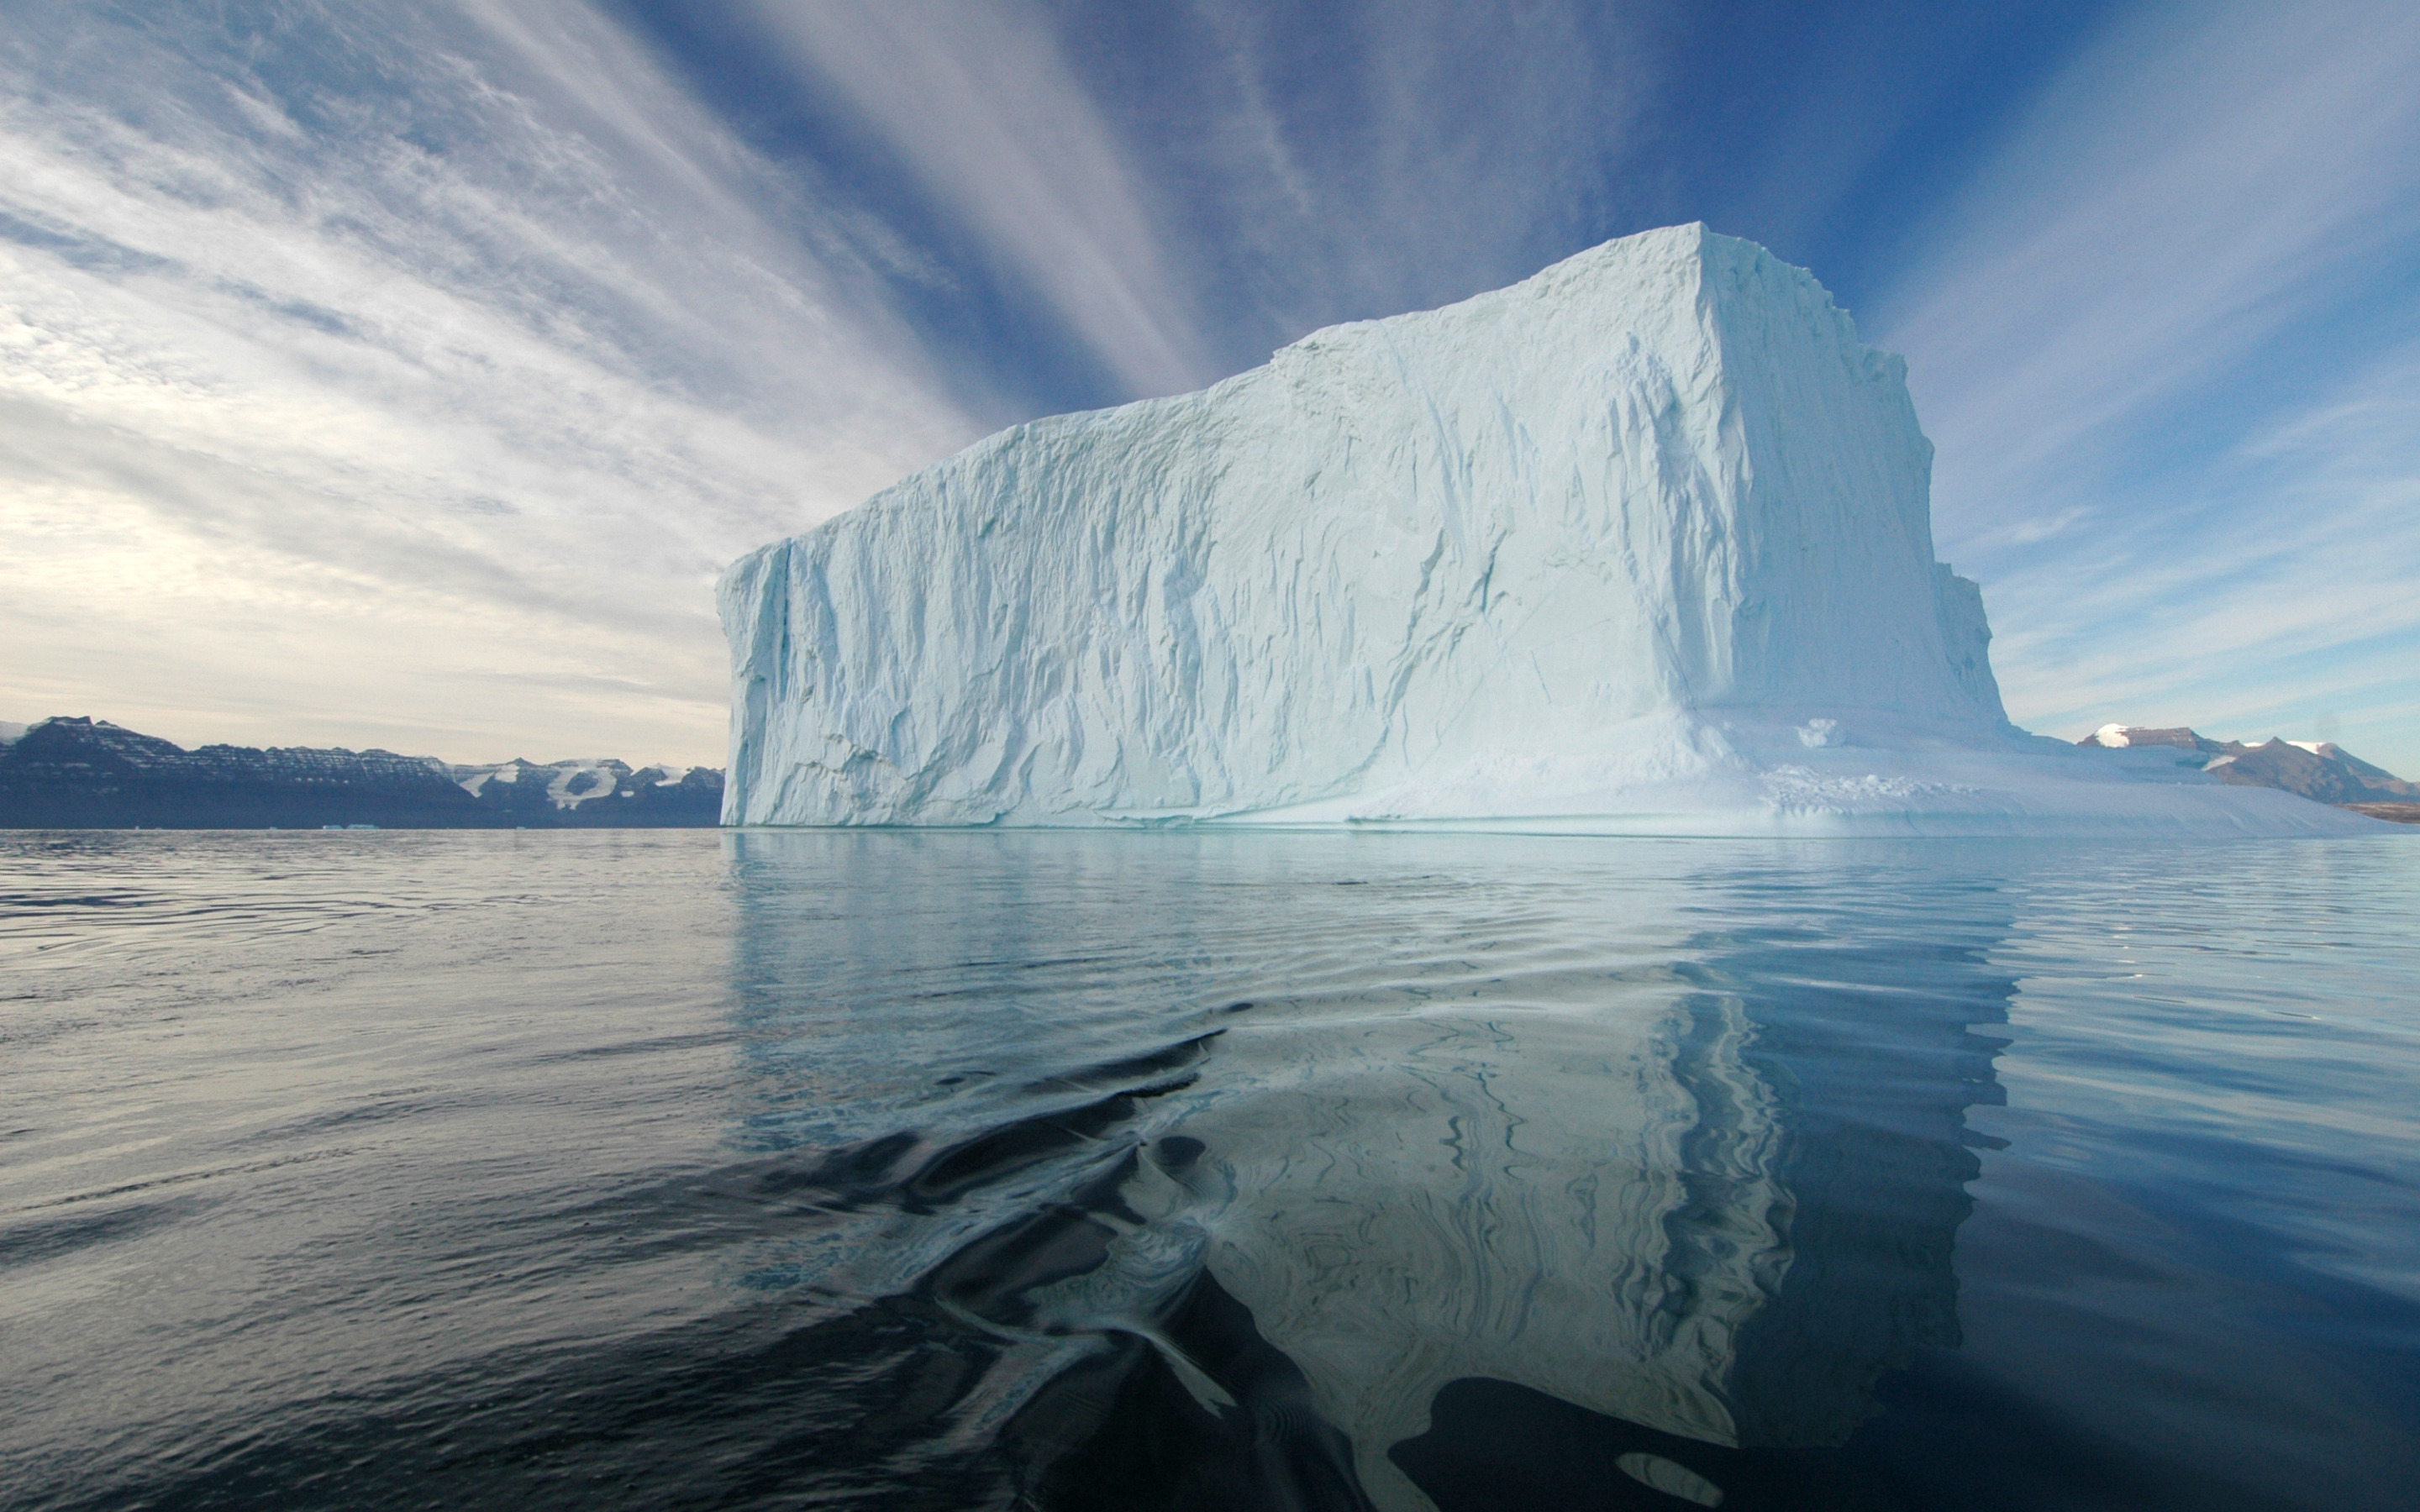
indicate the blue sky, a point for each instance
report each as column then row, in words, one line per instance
column 403, row 375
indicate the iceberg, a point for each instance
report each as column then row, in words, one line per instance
column 1640, row 544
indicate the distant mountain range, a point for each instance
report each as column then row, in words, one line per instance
column 2318, row 771
column 89, row 774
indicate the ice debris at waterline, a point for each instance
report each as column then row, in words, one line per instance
column 1642, row 542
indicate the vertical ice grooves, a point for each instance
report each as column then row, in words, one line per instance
column 1439, row 564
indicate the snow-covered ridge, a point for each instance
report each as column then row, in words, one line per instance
column 2319, row 770
column 569, row 784
column 1641, row 542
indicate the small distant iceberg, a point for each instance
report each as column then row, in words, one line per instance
column 1642, row 544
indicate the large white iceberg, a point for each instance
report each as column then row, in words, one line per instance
column 1642, row 542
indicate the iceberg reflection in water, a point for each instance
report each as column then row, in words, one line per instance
column 1191, row 1170
column 1683, row 1151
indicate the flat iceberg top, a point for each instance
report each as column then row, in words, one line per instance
column 1601, row 543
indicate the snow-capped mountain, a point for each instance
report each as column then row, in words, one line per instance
column 2318, row 771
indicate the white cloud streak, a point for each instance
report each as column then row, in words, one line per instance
column 1448, row 148
column 400, row 356
column 1452, row 147
column 980, row 105
column 2204, row 183
column 2292, row 607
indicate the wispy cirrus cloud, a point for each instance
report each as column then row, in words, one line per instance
column 1360, row 161
column 2202, row 179
column 454, row 342
column 2175, row 268
column 978, row 102
column 2285, row 606
column 1186, row 188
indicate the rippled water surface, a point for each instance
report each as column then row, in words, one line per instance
column 1148, row 1170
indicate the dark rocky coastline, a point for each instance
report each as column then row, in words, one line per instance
column 89, row 774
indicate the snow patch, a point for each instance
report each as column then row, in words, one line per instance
column 1797, row 790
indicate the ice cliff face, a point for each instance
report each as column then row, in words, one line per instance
column 1571, row 547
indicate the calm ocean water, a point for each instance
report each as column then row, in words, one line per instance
column 1178, row 1170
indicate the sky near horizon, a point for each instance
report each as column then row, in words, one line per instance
column 403, row 376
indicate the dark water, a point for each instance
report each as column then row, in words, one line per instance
column 1167, row 1171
